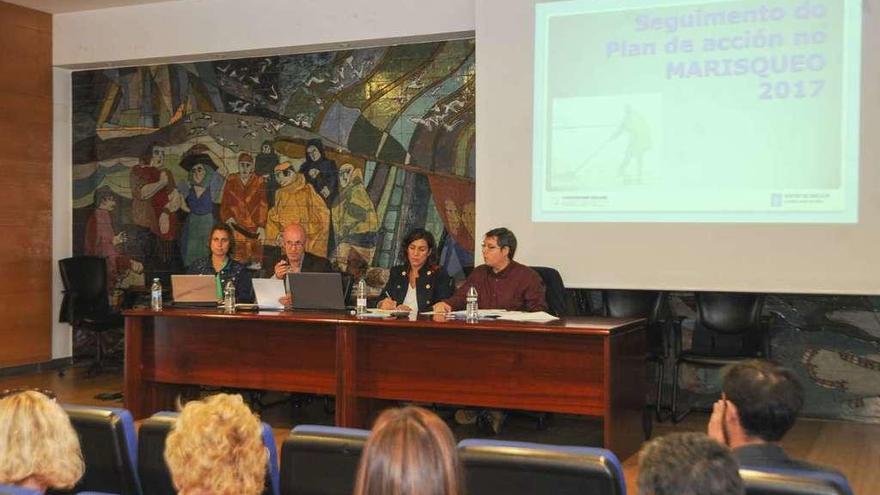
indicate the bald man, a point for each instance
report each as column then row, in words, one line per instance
column 295, row 258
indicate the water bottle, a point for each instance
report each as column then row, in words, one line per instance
column 229, row 297
column 156, row 295
column 361, row 296
column 471, row 310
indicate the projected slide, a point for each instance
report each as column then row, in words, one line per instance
column 696, row 111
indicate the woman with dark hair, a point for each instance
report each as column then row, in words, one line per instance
column 420, row 282
column 220, row 264
column 409, row 452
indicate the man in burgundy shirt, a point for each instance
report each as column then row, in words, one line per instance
column 501, row 283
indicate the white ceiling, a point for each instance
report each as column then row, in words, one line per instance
column 62, row 6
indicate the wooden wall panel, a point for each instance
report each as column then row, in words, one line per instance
column 25, row 185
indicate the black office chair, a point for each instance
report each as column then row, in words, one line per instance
column 793, row 482
column 554, row 290
column 107, row 438
column 520, row 468
column 729, row 328
column 321, row 460
column 654, row 307
column 86, row 303
column 154, row 473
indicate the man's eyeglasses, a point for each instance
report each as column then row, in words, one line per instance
column 12, row 391
column 291, row 244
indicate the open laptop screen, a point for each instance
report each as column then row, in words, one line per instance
column 316, row 290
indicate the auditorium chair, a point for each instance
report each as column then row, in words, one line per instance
column 86, row 302
column 554, row 292
column 729, row 328
column 520, row 468
column 17, row 490
column 154, row 473
column 108, row 443
column 794, row 482
column 654, row 307
column 321, row 460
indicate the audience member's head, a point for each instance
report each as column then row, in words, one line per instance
column 409, row 452
column 688, row 464
column 766, row 399
column 39, row 448
column 216, row 448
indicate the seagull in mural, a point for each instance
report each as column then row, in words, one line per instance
column 197, row 130
column 251, row 135
column 429, row 122
column 224, row 69
column 453, row 125
column 243, row 124
column 314, row 80
column 212, row 124
column 255, row 79
column 240, row 106
column 272, row 94
column 452, row 106
column 416, row 83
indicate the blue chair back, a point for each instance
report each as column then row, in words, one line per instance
column 109, row 448
column 17, row 490
column 794, row 482
column 522, row 468
column 321, row 460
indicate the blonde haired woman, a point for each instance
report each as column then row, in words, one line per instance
column 38, row 447
column 216, row 448
column 409, row 452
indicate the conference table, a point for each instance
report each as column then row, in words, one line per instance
column 583, row 365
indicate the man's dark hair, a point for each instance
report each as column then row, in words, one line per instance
column 768, row 397
column 505, row 238
column 688, row 464
column 414, row 235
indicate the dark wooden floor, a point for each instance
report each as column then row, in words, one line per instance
column 853, row 448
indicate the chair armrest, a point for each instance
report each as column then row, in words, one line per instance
column 68, row 306
column 767, row 323
column 675, row 323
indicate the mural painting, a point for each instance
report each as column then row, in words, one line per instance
column 359, row 146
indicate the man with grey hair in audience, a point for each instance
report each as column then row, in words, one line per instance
column 688, row 464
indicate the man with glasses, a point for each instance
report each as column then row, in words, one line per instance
column 295, row 258
column 501, row 282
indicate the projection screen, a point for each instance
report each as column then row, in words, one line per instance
column 683, row 145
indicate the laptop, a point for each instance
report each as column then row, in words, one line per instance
column 316, row 290
column 194, row 290
column 268, row 291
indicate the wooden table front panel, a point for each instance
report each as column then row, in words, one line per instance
column 532, row 371
column 267, row 355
